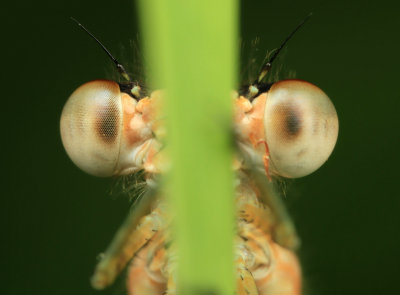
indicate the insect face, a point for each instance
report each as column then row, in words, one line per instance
column 290, row 130
column 107, row 132
column 287, row 129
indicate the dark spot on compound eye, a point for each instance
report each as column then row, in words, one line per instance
column 292, row 123
column 287, row 118
column 107, row 124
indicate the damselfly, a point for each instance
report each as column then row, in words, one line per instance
column 283, row 129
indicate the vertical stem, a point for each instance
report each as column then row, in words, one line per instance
column 191, row 51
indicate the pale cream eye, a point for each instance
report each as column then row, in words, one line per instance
column 91, row 126
column 301, row 127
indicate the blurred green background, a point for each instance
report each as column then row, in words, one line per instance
column 56, row 219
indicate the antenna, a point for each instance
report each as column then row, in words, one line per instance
column 267, row 66
column 120, row 67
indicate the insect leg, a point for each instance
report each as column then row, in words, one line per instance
column 283, row 229
column 259, row 216
column 275, row 269
column 148, row 271
column 285, row 279
column 135, row 232
column 139, row 281
column 246, row 284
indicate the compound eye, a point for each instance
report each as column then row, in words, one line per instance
column 301, row 127
column 91, row 126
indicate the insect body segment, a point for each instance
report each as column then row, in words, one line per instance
column 262, row 250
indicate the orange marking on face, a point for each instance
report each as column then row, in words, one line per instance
column 249, row 119
column 266, row 159
column 129, row 106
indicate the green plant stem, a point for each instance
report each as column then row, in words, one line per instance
column 191, row 51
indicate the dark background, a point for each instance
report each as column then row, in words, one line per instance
column 56, row 219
